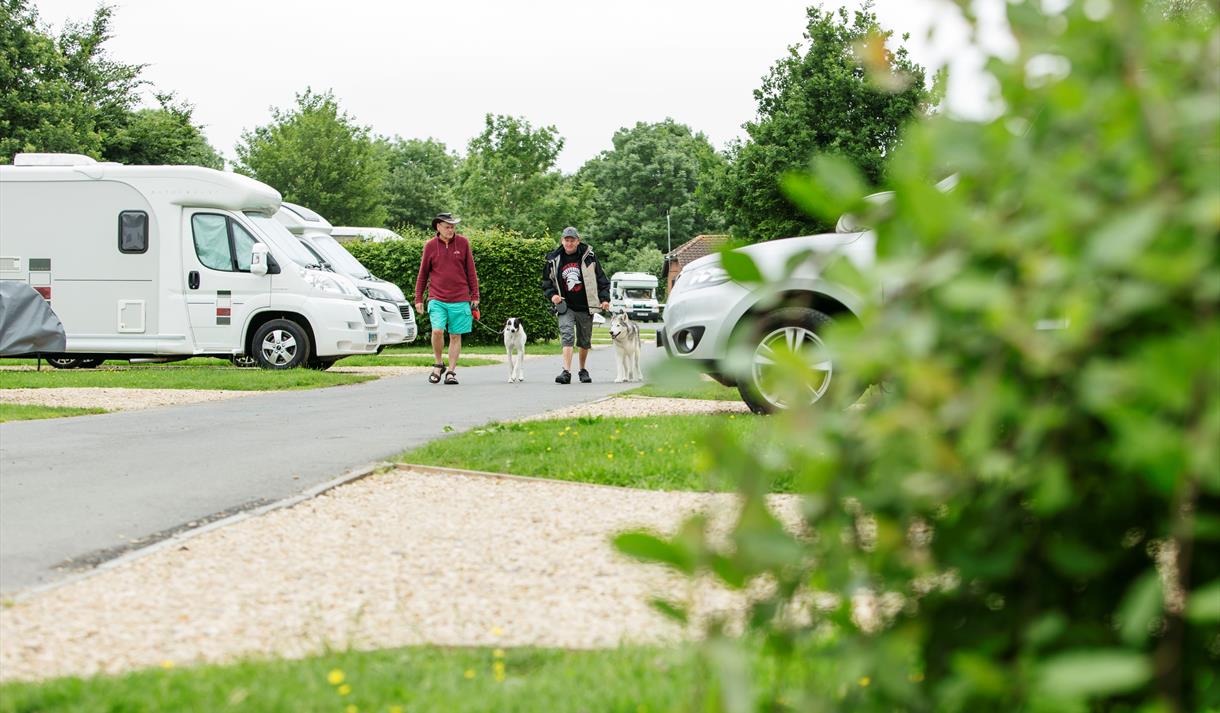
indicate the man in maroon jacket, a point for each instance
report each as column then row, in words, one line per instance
column 446, row 270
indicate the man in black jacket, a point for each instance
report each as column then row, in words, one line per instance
column 571, row 275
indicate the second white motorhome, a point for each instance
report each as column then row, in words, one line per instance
column 396, row 318
column 172, row 262
column 345, row 234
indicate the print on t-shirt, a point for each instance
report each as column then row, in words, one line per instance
column 571, row 278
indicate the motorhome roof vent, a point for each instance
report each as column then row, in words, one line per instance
column 52, row 159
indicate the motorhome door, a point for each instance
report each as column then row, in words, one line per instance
column 220, row 290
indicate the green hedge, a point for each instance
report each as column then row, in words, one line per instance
column 509, row 267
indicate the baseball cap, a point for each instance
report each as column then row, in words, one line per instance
column 570, row 232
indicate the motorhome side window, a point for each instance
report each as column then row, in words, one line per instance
column 221, row 243
column 133, row 231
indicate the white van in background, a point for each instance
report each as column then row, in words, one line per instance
column 396, row 321
column 172, row 262
column 635, row 293
column 346, row 234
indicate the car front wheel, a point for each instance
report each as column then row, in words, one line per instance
column 790, row 364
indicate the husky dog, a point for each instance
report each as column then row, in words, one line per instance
column 626, row 337
column 514, row 345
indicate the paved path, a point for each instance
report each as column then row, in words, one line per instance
column 83, row 490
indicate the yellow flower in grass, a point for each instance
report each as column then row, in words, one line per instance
column 497, row 670
column 864, row 681
column 167, row 664
column 344, row 690
column 469, row 674
column 351, row 708
column 395, row 709
column 609, row 456
column 335, row 677
column 498, row 653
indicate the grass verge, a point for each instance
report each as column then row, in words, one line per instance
column 189, row 377
column 456, row 680
column 657, row 452
column 26, row 412
column 706, row 390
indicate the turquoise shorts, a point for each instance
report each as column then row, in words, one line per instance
column 452, row 317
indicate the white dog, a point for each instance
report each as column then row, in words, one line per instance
column 514, row 345
column 626, row 337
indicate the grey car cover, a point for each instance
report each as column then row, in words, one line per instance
column 27, row 324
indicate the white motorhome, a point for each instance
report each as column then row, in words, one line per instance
column 396, row 321
column 347, row 233
column 172, row 262
column 636, row 294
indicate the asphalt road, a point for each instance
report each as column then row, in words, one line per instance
column 77, row 491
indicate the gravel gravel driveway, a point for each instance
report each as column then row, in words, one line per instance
column 394, row 559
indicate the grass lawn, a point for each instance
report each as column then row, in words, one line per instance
column 658, row 452
column 188, row 377
column 24, row 412
column 709, row 390
column 456, row 680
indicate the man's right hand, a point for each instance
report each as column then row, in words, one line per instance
column 556, row 299
column 419, row 308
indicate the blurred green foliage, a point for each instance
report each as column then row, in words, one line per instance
column 1028, row 516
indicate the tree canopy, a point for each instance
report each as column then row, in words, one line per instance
column 315, row 155
column 420, row 181
column 820, row 98
column 651, row 171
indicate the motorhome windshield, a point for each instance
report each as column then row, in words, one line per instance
column 338, row 256
column 279, row 236
column 321, row 260
column 638, row 293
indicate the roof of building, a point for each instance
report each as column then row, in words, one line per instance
column 697, row 247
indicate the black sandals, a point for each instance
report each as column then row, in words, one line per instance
column 451, row 377
column 435, row 376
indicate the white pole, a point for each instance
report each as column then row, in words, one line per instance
column 669, row 244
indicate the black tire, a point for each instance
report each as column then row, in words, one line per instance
column 281, row 344
column 243, row 361
column 64, row 362
column 723, row 379
column 89, row 363
column 764, row 398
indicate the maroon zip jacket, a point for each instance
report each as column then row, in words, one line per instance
column 447, row 271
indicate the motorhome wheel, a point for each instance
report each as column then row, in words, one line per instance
column 243, row 361
column 281, row 344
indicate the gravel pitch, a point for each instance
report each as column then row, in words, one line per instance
column 395, row 559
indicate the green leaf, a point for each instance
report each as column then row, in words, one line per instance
column 671, row 610
column 1102, row 672
column 1203, row 607
column 650, row 548
column 1141, row 605
column 740, row 266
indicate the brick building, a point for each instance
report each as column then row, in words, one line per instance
column 686, row 253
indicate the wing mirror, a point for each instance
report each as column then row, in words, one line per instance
column 259, row 259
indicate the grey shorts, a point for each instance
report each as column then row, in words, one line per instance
column 576, row 329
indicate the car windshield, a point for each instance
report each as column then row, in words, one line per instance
column 338, row 256
column 278, row 235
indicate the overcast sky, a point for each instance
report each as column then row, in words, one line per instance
column 416, row 69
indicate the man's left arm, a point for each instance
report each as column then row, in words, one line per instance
column 603, row 282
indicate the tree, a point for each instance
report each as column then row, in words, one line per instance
column 508, row 180
column 315, row 155
column 420, row 182
column 59, row 94
column 653, row 170
column 64, row 95
column 162, row 136
column 820, row 99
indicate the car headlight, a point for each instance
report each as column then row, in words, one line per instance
column 375, row 294
column 706, row 277
column 328, row 285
